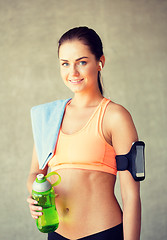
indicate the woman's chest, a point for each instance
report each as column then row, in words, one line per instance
column 75, row 119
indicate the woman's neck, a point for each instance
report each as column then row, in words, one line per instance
column 86, row 100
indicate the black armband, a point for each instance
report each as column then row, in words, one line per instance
column 133, row 161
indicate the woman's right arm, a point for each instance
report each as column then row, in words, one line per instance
column 34, row 171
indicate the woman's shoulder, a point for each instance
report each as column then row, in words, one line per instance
column 117, row 112
column 118, row 118
column 50, row 105
column 120, row 125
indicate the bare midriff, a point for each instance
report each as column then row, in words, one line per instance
column 86, row 203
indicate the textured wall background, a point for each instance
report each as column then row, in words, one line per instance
column 134, row 35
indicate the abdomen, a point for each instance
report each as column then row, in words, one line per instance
column 86, row 203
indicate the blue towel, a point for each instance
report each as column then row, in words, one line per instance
column 46, row 121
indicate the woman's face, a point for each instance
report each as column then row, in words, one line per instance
column 78, row 66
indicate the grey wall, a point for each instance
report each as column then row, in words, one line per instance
column 134, row 35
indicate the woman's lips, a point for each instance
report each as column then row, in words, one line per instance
column 76, row 81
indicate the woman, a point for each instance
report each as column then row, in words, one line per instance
column 93, row 131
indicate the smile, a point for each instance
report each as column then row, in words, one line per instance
column 76, row 81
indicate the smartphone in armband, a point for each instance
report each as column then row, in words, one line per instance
column 133, row 161
column 140, row 162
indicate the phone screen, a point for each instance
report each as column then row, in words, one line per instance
column 139, row 162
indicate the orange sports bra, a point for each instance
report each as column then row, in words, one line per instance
column 86, row 148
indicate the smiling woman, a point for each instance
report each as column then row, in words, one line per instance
column 79, row 67
column 89, row 38
column 93, row 130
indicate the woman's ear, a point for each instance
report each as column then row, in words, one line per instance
column 102, row 62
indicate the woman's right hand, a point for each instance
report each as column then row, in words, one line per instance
column 35, row 210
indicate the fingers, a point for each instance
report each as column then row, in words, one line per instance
column 34, row 209
column 30, row 200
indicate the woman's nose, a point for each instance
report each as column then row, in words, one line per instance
column 74, row 71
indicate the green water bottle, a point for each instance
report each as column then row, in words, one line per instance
column 43, row 193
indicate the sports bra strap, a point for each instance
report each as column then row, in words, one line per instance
column 103, row 109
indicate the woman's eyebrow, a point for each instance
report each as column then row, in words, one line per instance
column 80, row 58
column 75, row 60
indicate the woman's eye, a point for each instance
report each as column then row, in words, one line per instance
column 65, row 64
column 82, row 63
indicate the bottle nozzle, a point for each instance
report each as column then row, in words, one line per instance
column 40, row 176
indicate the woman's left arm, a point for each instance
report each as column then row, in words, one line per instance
column 123, row 135
column 130, row 191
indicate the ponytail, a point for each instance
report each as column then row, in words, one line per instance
column 100, row 83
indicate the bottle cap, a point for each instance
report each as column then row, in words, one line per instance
column 41, row 184
column 40, row 176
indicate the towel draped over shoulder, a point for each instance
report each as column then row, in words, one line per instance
column 46, row 121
